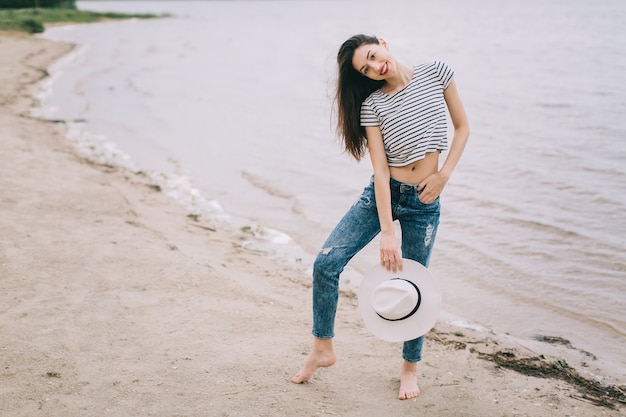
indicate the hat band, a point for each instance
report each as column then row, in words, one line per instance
column 417, row 305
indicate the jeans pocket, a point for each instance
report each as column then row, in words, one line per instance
column 420, row 202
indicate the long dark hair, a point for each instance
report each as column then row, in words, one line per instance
column 352, row 88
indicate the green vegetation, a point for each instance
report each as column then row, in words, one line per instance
column 25, row 4
column 33, row 20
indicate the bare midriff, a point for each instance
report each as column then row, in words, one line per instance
column 418, row 170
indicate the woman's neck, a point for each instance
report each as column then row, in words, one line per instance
column 399, row 81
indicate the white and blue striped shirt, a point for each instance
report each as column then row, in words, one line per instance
column 413, row 121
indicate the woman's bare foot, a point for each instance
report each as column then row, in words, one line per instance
column 322, row 355
column 408, row 381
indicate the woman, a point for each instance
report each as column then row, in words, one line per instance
column 396, row 113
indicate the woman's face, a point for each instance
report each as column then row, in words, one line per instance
column 374, row 61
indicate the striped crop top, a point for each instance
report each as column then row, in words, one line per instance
column 413, row 121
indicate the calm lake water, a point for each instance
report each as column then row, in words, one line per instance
column 228, row 105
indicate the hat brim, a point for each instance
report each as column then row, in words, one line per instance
column 413, row 327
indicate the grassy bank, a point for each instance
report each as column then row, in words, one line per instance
column 33, row 20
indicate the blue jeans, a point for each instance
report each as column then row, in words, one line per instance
column 356, row 229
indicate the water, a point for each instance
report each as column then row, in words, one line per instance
column 228, row 103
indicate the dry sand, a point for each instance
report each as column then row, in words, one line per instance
column 114, row 302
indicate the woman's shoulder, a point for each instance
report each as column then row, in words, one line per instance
column 435, row 65
column 438, row 70
column 374, row 96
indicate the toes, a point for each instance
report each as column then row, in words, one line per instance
column 298, row 379
column 408, row 394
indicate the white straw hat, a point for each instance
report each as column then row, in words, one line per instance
column 402, row 305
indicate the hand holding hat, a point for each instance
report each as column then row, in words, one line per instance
column 402, row 305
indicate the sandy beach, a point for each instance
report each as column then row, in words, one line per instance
column 115, row 302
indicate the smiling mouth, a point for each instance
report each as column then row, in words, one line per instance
column 384, row 69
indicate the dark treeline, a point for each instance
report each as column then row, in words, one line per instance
column 23, row 4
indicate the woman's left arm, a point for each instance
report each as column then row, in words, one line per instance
column 432, row 185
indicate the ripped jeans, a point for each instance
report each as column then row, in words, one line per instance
column 356, row 229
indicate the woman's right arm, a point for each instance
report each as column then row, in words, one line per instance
column 389, row 254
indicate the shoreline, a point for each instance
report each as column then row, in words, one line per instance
column 111, row 304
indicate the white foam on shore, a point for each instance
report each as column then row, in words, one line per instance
column 102, row 150
column 467, row 325
column 45, row 87
column 181, row 189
